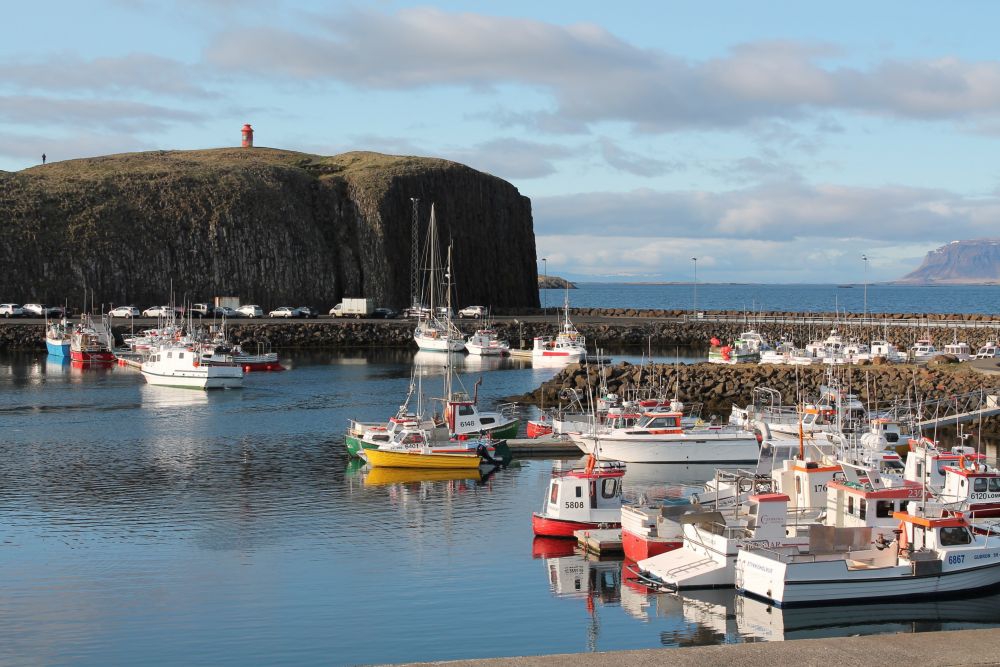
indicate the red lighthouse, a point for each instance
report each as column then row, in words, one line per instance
column 247, row 136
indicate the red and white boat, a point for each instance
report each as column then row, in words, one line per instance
column 541, row 427
column 90, row 343
column 581, row 498
column 568, row 346
column 959, row 478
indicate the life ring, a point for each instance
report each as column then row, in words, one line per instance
column 196, row 364
column 968, row 464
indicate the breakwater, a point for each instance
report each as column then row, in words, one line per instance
column 603, row 328
column 719, row 387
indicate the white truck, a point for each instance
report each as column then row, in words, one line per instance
column 353, row 308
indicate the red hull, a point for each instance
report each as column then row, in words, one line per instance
column 639, row 548
column 100, row 357
column 547, row 527
column 262, row 366
column 552, row 547
column 536, row 430
column 984, row 510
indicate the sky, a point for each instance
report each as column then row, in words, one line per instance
column 776, row 142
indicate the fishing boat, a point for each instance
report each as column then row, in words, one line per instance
column 923, row 350
column 581, row 498
column 935, row 554
column 568, row 346
column 419, row 458
column 413, row 447
column 659, row 437
column 959, row 350
column 988, row 351
column 465, row 419
column 485, row 342
column 539, row 428
column 175, row 364
column 745, row 349
column 58, row 338
column 90, row 342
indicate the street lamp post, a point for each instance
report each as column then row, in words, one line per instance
column 545, row 284
column 695, row 310
column 865, row 312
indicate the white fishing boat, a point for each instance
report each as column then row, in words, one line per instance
column 887, row 351
column 747, row 348
column 568, row 346
column 581, row 498
column 959, row 350
column 659, row 437
column 485, row 342
column 988, row 351
column 179, row 365
column 923, row 350
column 935, row 554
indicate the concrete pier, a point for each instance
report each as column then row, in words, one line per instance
column 922, row 649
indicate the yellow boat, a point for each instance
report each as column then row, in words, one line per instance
column 381, row 458
column 385, row 476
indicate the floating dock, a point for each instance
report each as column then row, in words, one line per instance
column 600, row 541
column 543, row 447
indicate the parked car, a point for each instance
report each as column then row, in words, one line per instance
column 156, row 311
column 40, row 310
column 473, row 311
column 307, row 311
column 226, row 311
column 417, row 311
column 11, row 310
column 249, row 311
column 124, row 311
column 203, row 310
column 385, row 314
column 444, row 311
column 284, row 311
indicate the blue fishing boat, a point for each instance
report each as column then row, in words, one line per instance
column 57, row 338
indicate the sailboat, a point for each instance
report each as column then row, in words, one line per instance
column 435, row 330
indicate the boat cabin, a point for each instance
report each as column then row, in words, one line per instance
column 806, row 482
column 960, row 350
column 929, row 528
column 927, row 464
column 590, row 494
column 864, row 499
column 973, row 485
column 658, row 423
column 988, row 351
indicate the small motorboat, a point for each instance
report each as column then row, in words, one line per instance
column 581, row 498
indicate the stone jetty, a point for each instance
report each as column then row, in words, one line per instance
column 718, row 387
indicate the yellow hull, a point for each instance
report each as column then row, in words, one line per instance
column 380, row 458
column 383, row 476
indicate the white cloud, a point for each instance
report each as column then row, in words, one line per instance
column 593, row 76
column 121, row 115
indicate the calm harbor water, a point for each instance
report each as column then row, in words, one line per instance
column 150, row 525
column 881, row 298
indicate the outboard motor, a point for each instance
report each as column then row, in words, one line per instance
column 484, row 455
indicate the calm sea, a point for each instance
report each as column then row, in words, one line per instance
column 148, row 525
column 881, row 298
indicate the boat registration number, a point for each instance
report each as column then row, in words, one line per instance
column 956, row 558
column 574, row 504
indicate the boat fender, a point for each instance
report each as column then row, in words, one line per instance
column 196, row 364
column 591, row 461
column 901, row 537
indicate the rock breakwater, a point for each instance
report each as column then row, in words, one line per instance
column 719, row 387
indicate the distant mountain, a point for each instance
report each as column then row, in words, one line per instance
column 970, row 262
column 554, row 282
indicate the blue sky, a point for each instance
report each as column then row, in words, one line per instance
column 776, row 142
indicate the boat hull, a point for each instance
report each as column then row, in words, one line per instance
column 544, row 526
column 440, row 344
column 689, row 449
column 641, row 547
column 57, row 348
column 194, row 379
column 538, row 429
column 434, row 460
column 92, row 357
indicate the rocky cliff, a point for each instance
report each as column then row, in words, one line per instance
column 270, row 226
column 976, row 261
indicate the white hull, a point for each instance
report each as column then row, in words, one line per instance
column 439, row 344
column 197, row 379
column 485, row 351
column 833, row 581
column 688, row 447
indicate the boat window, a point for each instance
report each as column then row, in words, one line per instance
column 883, row 509
column 798, row 486
column 380, row 438
column 180, row 356
column 941, row 465
column 465, row 410
column 891, row 437
column 950, row 537
column 862, row 509
column 487, row 420
column 579, row 492
column 554, row 494
column 979, row 484
column 170, row 355
column 850, row 504
column 994, row 483
column 609, row 488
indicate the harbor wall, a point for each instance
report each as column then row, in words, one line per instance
column 601, row 331
column 718, row 386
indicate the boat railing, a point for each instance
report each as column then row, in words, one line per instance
column 509, row 410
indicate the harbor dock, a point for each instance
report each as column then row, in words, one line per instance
column 927, row 649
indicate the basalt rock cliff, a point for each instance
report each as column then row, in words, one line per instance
column 960, row 262
column 272, row 227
